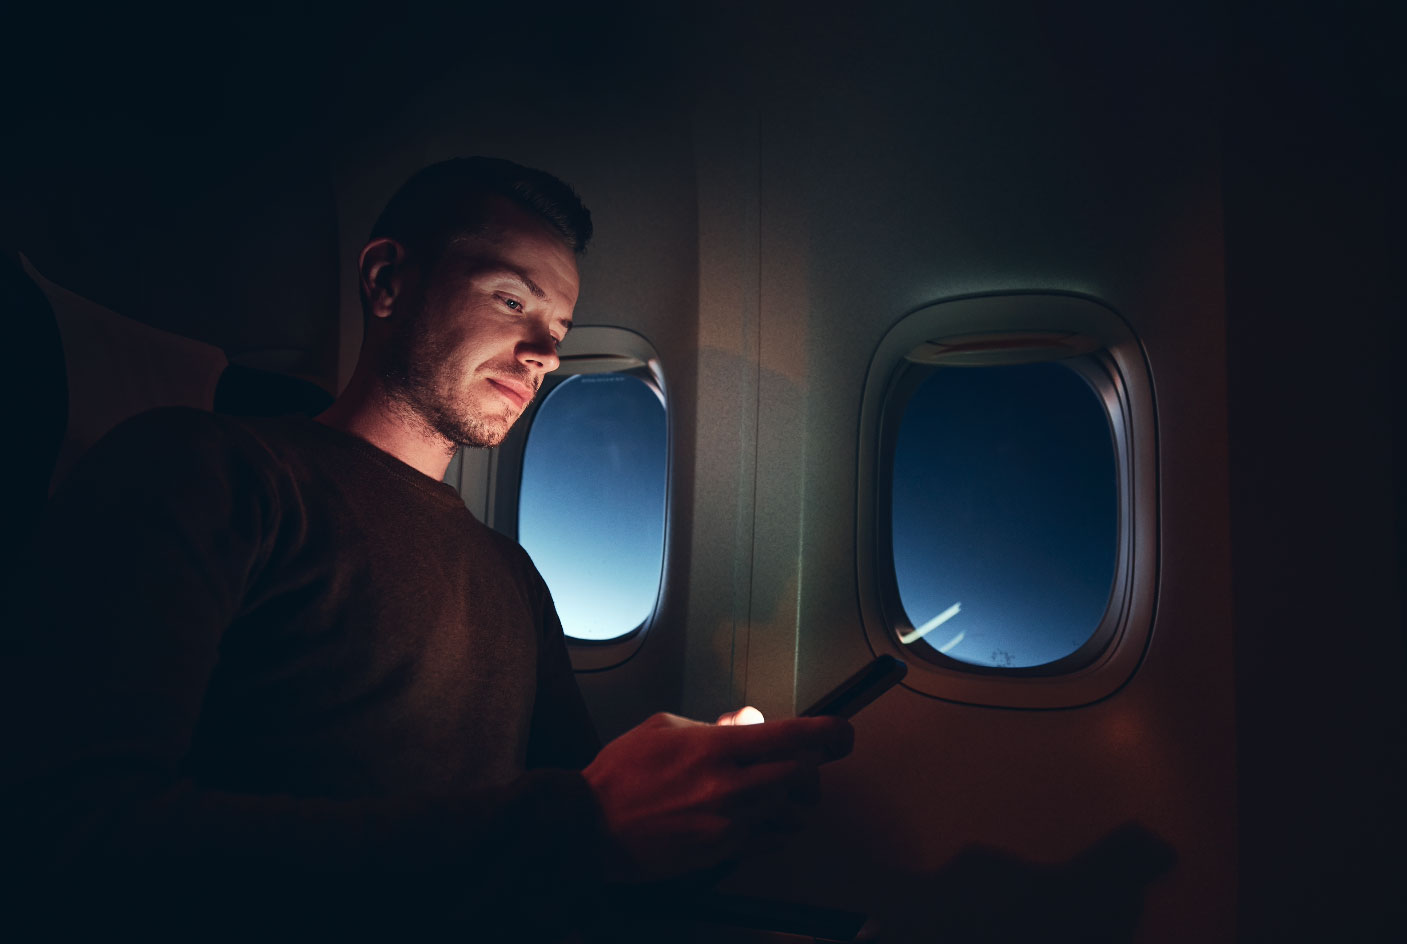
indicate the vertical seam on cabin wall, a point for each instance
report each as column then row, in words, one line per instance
column 800, row 567
column 750, row 415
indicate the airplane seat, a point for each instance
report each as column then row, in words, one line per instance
column 36, row 388
column 244, row 390
column 109, row 368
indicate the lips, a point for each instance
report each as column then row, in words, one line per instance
column 516, row 391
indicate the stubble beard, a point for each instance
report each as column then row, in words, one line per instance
column 421, row 380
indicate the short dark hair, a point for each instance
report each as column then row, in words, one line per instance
column 440, row 202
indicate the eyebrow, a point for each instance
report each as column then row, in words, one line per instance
column 518, row 275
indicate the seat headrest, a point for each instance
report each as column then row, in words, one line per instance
column 35, row 383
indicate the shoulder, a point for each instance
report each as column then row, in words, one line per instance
column 171, row 482
column 527, row 582
column 178, row 429
column 185, row 431
column 518, row 561
column 174, row 447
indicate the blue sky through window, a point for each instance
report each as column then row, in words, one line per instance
column 592, row 507
column 1005, row 513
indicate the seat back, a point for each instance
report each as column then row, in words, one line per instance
column 35, row 390
column 117, row 367
column 99, row 368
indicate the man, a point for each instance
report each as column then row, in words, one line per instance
column 279, row 647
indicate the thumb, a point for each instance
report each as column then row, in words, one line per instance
column 744, row 715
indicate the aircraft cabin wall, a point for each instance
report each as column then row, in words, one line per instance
column 973, row 153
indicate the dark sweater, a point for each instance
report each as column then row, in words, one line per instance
column 267, row 645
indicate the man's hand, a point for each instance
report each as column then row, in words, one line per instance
column 681, row 795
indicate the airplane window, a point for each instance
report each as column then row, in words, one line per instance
column 591, row 508
column 1005, row 514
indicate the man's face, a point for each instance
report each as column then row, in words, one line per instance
column 476, row 333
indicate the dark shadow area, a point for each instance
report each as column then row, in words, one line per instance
column 984, row 896
column 248, row 391
column 37, row 431
column 1313, row 159
column 989, row 896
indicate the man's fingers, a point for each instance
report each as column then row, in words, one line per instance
column 804, row 788
column 833, row 738
column 757, row 791
column 678, row 794
column 664, row 719
column 769, row 775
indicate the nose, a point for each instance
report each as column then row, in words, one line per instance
column 538, row 351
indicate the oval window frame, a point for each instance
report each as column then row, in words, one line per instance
column 1092, row 339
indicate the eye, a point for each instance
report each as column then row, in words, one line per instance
column 512, row 303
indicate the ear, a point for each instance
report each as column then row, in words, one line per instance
column 381, row 269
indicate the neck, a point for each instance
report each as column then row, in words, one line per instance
column 367, row 411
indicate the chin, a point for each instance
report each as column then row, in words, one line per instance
column 484, row 432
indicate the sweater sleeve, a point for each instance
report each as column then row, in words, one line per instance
column 143, row 563
column 562, row 734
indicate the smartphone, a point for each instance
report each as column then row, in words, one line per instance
column 859, row 689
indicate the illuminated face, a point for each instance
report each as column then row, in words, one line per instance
column 483, row 327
